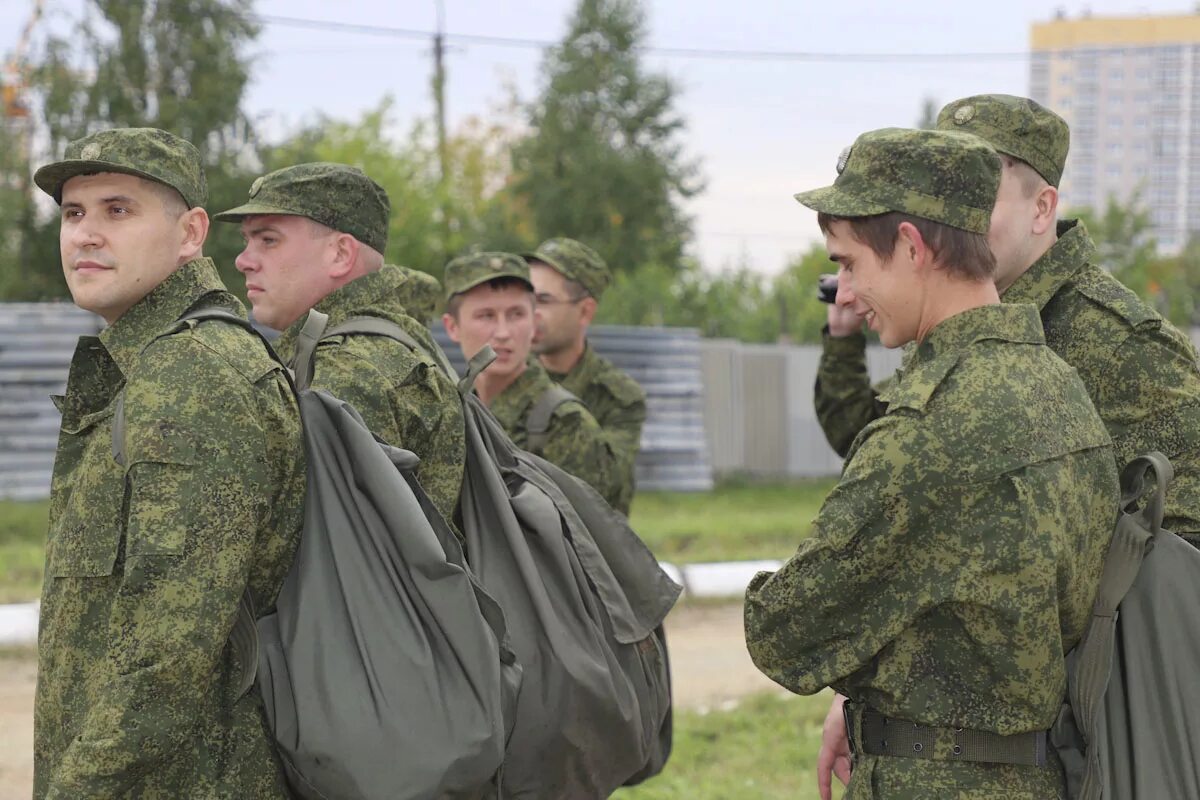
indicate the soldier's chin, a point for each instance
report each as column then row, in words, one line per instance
column 539, row 348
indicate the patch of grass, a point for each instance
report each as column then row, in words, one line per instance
column 765, row 748
column 736, row 521
column 22, row 537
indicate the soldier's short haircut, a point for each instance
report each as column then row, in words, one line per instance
column 174, row 206
column 1031, row 180
column 496, row 285
column 959, row 252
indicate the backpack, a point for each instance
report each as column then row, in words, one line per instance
column 1128, row 730
column 585, row 601
column 383, row 670
column 583, row 598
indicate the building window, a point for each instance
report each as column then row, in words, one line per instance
column 1114, row 148
column 1113, row 171
column 1115, row 123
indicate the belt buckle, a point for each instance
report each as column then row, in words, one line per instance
column 846, row 718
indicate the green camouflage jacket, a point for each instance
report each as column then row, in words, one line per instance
column 405, row 398
column 575, row 441
column 145, row 565
column 618, row 404
column 1139, row 370
column 955, row 562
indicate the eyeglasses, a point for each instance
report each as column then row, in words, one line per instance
column 551, row 300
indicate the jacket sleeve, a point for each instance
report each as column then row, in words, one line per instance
column 623, row 428
column 844, row 398
column 840, row 599
column 576, row 443
column 197, row 488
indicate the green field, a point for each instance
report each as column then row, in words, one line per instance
column 734, row 522
column 22, row 534
column 766, row 748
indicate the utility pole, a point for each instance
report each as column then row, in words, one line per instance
column 439, row 99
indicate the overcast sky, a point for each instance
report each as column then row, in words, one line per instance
column 763, row 130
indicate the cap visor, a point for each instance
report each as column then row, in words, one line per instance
column 51, row 178
column 491, row 277
column 545, row 260
column 837, row 202
column 252, row 210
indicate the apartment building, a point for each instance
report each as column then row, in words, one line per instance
column 1130, row 89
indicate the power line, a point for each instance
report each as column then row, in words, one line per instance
column 670, row 52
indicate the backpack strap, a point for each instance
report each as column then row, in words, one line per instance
column 374, row 326
column 306, row 347
column 1132, row 540
column 537, row 422
column 244, row 635
column 475, row 365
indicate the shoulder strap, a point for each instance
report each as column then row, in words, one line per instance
column 1132, row 540
column 537, row 423
column 244, row 635
column 374, row 326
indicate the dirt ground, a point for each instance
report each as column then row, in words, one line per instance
column 709, row 663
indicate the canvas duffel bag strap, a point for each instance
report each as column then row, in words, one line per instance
column 880, row 735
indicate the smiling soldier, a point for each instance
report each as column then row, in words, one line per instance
column 956, row 560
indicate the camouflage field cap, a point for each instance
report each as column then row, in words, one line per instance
column 1015, row 126
column 468, row 271
column 420, row 294
column 942, row 176
column 336, row 195
column 145, row 152
column 576, row 261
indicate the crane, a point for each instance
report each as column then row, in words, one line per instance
column 12, row 91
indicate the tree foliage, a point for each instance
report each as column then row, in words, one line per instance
column 179, row 65
column 480, row 211
column 603, row 160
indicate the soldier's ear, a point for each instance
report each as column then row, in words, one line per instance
column 345, row 255
column 451, row 326
column 587, row 310
column 194, row 227
column 1046, row 215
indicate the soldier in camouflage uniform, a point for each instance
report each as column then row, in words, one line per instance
column 1140, row 371
column 489, row 301
column 568, row 280
column 315, row 236
column 956, row 560
column 420, row 294
column 146, row 562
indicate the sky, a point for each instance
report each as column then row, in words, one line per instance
column 762, row 130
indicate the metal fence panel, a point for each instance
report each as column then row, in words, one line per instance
column 37, row 341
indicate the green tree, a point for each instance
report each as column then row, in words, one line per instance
column 180, row 65
column 602, row 161
column 406, row 165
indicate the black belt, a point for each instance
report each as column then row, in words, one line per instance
column 886, row 736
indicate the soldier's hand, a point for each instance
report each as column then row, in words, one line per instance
column 834, row 756
column 843, row 321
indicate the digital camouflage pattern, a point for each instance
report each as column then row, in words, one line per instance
column 619, row 405
column 338, row 196
column 145, row 565
column 145, row 152
column 576, row 261
column 1139, row 370
column 1015, row 126
column 955, row 562
column 466, row 272
column 575, row 442
column 404, row 397
column 942, row 176
column 420, row 294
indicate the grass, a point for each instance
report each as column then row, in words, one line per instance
column 765, row 748
column 736, row 521
column 22, row 536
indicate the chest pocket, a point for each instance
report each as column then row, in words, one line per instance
column 86, row 538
